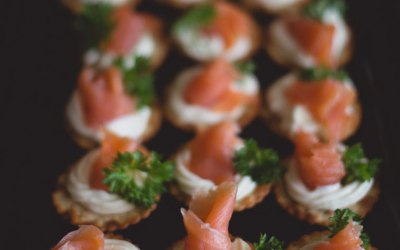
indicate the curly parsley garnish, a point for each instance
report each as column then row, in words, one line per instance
column 137, row 178
column 246, row 68
column 262, row 165
column 322, row 73
column 358, row 168
column 196, row 18
column 94, row 24
column 341, row 218
column 138, row 81
column 316, row 8
column 268, row 243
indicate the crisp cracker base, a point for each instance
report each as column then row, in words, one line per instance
column 79, row 215
column 321, row 217
column 151, row 130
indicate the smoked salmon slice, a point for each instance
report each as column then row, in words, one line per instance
column 230, row 23
column 102, row 96
column 348, row 239
column 111, row 145
column 319, row 164
column 208, row 218
column 314, row 37
column 213, row 87
column 87, row 237
column 327, row 100
column 212, row 151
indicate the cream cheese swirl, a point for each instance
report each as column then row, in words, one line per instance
column 190, row 183
column 132, row 125
column 206, row 47
column 193, row 114
column 328, row 197
column 115, row 244
column 97, row 201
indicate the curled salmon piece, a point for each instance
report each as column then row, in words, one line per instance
column 211, row 152
column 102, row 96
column 213, row 87
column 348, row 239
column 230, row 23
column 208, row 218
column 110, row 147
column 319, row 164
column 87, row 237
column 314, row 37
column 327, row 100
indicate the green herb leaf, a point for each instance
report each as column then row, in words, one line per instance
column 246, row 68
column 322, row 73
column 196, row 18
column 341, row 218
column 358, row 168
column 137, row 178
column 316, row 8
column 262, row 165
column 268, row 243
column 138, row 81
column 94, row 24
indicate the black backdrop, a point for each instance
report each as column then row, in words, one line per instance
column 40, row 57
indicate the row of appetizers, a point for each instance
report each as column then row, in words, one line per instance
column 207, row 226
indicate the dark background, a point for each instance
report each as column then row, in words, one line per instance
column 40, row 56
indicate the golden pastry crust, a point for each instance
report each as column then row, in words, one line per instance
column 79, row 215
column 274, row 121
column 247, row 202
column 257, row 6
column 306, row 239
column 317, row 216
column 276, row 52
column 76, row 5
column 251, row 110
column 255, row 39
column 151, row 129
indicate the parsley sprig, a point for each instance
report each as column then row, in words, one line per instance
column 358, row 168
column 94, row 24
column 262, row 165
column 316, row 8
column 138, row 81
column 246, row 68
column 322, row 73
column 341, row 218
column 268, row 243
column 196, row 18
column 137, row 178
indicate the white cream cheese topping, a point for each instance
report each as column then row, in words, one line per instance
column 328, row 197
column 190, row 183
column 145, row 47
column 194, row 114
column 208, row 47
column 132, row 125
column 115, row 244
column 111, row 2
column 295, row 117
column 98, row 201
column 278, row 5
column 296, row 54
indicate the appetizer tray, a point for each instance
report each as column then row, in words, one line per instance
column 165, row 226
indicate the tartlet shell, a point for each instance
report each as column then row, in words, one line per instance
column 180, row 243
column 151, row 130
column 79, row 215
